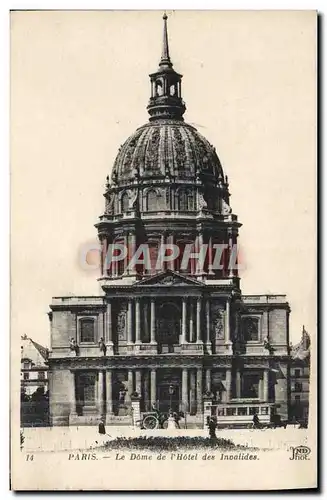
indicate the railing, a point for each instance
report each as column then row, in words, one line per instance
column 73, row 300
column 264, row 299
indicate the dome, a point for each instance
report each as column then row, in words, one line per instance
column 166, row 166
column 166, row 148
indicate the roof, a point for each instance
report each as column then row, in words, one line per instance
column 33, row 351
column 301, row 351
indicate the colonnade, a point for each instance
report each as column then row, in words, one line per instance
column 195, row 320
column 144, row 381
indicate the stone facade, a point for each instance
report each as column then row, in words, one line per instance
column 176, row 334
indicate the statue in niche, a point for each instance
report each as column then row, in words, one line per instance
column 133, row 195
column 110, row 204
column 121, row 324
column 114, row 177
column 225, row 208
column 107, row 185
column 218, row 325
column 201, row 201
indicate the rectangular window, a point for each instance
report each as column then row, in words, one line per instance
column 41, row 375
column 250, row 328
column 264, row 410
column 26, row 375
column 297, row 372
column 242, row 410
column 87, row 330
column 231, row 411
column 298, row 387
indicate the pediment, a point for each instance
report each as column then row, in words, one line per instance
column 168, row 278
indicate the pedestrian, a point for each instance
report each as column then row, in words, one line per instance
column 256, row 421
column 102, row 429
column 212, row 428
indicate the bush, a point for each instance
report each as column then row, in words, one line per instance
column 159, row 444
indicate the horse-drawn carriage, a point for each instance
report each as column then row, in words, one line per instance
column 158, row 420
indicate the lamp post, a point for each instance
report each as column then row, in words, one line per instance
column 171, row 392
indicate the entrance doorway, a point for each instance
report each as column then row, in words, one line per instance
column 169, row 325
column 168, row 388
column 167, row 400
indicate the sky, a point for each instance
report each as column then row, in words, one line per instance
column 79, row 88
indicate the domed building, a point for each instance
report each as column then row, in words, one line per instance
column 172, row 327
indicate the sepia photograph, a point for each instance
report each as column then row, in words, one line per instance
column 163, row 250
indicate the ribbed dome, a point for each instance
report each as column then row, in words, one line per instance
column 166, row 148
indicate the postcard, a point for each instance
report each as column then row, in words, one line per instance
column 163, row 250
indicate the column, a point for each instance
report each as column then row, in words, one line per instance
column 184, row 319
column 137, row 321
column 153, row 322
column 171, row 264
column 185, row 402
column 126, row 270
column 192, row 392
column 138, row 382
column 198, row 320
column 130, row 322
column 153, row 386
column 199, row 390
column 73, row 394
column 191, row 339
column 162, row 242
column 199, row 244
column 130, row 385
column 238, row 384
column 109, row 391
column 227, row 322
column 108, row 325
column 228, row 383
column 265, row 385
column 132, row 248
column 230, row 250
column 102, row 256
column 208, row 379
column 146, row 385
column 208, row 332
column 210, row 257
column 101, row 393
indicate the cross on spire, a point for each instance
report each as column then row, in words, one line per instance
column 166, row 93
column 165, row 58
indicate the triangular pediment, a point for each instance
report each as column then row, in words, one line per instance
column 168, row 278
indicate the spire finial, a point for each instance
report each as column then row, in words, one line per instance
column 165, row 59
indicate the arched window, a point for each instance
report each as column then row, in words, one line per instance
column 159, row 89
column 87, row 330
column 250, row 328
column 185, row 200
column 152, row 200
column 188, row 268
column 182, row 200
column 153, row 254
column 124, row 202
